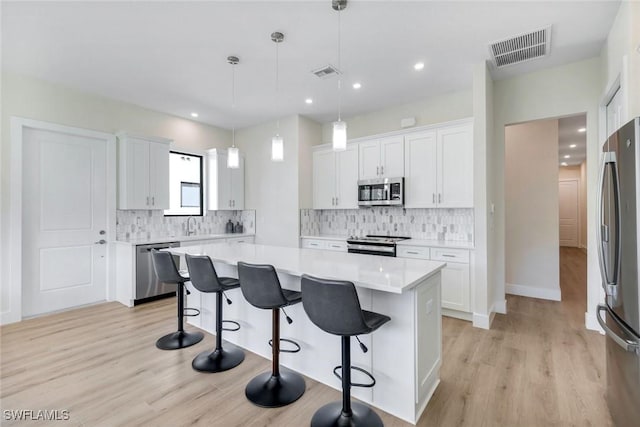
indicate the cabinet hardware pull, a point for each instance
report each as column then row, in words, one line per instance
column 412, row 253
column 448, row 256
column 439, row 198
column 434, row 198
column 377, row 170
column 153, row 200
column 381, row 170
column 147, row 200
column 337, row 201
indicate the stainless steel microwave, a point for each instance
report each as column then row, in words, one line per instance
column 381, row 192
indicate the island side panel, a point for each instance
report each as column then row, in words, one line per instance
column 406, row 355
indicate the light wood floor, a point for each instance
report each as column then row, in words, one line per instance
column 537, row 366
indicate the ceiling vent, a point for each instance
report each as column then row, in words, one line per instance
column 521, row 48
column 326, row 71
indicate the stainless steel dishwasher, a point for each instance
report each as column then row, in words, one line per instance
column 148, row 287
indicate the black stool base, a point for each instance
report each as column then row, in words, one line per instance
column 218, row 360
column 180, row 339
column 331, row 415
column 271, row 391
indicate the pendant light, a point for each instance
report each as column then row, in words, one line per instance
column 277, row 143
column 339, row 127
column 233, row 154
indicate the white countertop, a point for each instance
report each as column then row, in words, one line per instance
column 387, row 274
column 325, row 237
column 183, row 238
column 408, row 242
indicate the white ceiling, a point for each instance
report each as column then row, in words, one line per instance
column 568, row 135
column 171, row 56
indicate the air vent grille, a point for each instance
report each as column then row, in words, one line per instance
column 326, row 71
column 521, row 48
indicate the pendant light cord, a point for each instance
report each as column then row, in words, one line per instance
column 233, row 103
column 339, row 68
column 277, row 87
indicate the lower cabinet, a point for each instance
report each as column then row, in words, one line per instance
column 328, row 245
column 455, row 276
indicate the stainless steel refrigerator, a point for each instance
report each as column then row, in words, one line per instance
column 618, row 236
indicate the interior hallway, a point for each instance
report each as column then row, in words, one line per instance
column 537, row 366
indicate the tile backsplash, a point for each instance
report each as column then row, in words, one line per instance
column 153, row 224
column 429, row 224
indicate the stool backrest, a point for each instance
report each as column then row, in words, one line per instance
column 333, row 306
column 165, row 267
column 260, row 285
column 202, row 273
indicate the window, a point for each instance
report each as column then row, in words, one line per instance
column 185, row 184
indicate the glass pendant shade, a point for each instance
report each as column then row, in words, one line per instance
column 339, row 136
column 233, row 158
column 277, row 148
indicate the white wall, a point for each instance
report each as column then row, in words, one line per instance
column 277, row 190
column 531, row 209
column 555, row 92
column 31, row 98
column 438, row 109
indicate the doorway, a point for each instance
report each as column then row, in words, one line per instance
column 63, row 193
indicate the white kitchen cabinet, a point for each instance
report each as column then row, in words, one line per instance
column 335, row 178
column 381, row 158
column 326, row 244
column 455, row 276
column 143, row 172
column 226, row 185
column 439, row 168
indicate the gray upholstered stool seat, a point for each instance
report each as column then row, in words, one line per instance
column 261, row 288
column 205, row 279
column 334, row 307
column 167, row 272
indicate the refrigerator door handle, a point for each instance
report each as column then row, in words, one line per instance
column 627, row 345
column 609, row 157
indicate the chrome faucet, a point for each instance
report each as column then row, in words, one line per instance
column 190, row 230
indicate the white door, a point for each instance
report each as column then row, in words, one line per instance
column 347, row 178
column 237, row 186
column 420, row 170
column 64, row 213
column 159, row 175
column 369, row 158
column 392, row 157
column 568, row 203
column 455, row 167
column 324, row 179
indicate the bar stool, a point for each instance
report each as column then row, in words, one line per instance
column 261, row 288
column 205, row 279
column 334, row 307
column 167, row 272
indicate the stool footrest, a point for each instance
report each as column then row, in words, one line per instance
column 191, row 312
column 282, row 350
column 237, row 326
column 371, row 384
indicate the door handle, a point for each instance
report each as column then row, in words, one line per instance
column 627, row 345
column 100, row 242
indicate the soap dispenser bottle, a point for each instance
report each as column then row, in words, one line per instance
column 229, row 227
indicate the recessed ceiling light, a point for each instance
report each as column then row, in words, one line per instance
column 194, row 114
column 419, row 66
column 572, row 146
column 563, row 164
column 582, row 130
column 357, row 85
column 309, row 101
column 567, row 156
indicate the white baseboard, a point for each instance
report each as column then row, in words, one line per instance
column 483, row 321
column 7, row 317
column 533, row 292
column 591, row 323
column 500, row 307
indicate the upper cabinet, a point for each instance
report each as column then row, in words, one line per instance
column 143, row 172
column 226, row 186
column 335, row 178
column 439, row 168
column 382, row 158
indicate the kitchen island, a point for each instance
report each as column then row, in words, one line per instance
column 404, row 355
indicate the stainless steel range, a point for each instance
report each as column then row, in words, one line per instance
column 374, row 245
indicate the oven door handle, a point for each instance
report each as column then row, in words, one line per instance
column 627, row 345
